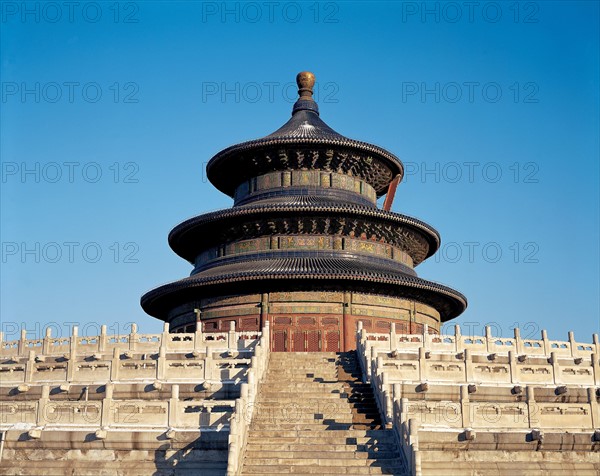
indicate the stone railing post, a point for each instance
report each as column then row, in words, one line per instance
column 74, row 343
column 266, row 337
column 372, row 364
column 465, row 406
column 161, row 364
column 115, row 364
column 545, row 342
column 231, row 337
column 393, row 336
column 22, row 344
column 594, row 407
column 133, row 337
column 532, row 408
column 403, row 411
column 107, row 416
column 174, row 406
column 518, row 341
column 489, row 340
column 512, row 363
column 46, row 342
column 198, row 336
column 596, row 341
column 468, row 365
column 208, row 364
column 457, row 339
column 572, row 344
column 413, row 438
column 422, row 364
column 555, row 368
column 42, row 409
column 596, row 368
column 103, row 339
column 164, row 336
column 30, row 367
column 426, row 340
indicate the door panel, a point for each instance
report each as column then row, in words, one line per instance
column 279, row 341
column 313, row 341
column 298, row 341
column 332, row 341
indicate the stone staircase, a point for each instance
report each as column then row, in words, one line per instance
column 315, row 416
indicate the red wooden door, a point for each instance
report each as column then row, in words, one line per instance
column 332, row 341
column 279, row 341
column 313, row 341
column 298, row 340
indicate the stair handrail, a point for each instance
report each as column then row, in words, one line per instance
column 244, row 405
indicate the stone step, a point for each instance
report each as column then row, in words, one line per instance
column 318, row 442
column 329, row 399
column 314, row 426
column 322, row 462
column 329, row 435
column 298, row 363
column 302, row 372
column 303, row 365
column 322, row 413
column 276, row 404
column 324, row 420
column 306, row 394
column 302, row 446
column 254, row 454
column 316, row 388
column 330, row 471
column 313, row 413
column 278, row 383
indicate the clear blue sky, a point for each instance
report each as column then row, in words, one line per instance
column 109, row 114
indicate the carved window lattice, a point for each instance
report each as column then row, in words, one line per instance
column 306, row 321
column 249, row 323
column 332, row 341
column 329, row 321
column 283, row 320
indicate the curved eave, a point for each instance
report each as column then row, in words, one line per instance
column 219, row 179
column 183, row 241
column 159, row 301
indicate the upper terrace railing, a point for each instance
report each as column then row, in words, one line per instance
column 463, row 384
column 136, row 382
column 486, row 344
column 75, row 344
column 132, row 357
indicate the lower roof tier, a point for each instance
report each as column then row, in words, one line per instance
column 303, row 216
column 296, row 273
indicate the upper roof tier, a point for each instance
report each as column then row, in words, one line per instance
column 305, row 142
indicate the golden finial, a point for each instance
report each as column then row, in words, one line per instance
column 305, row 81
